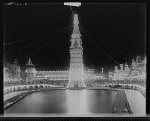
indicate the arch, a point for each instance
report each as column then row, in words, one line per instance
column 14, row 89
column 24, row 88
column 117, row 86
column 7, row 92
column 18, row 89
column 31, row 88
column 131, row 87
column 109, row 85
column 41, row 86
column 10, row 90
column 135, row 87
column 36, row 87
column 127, row 86
column 121, row 85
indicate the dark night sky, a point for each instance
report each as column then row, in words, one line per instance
column 121, row 25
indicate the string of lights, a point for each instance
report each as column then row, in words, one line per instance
column 99, row 47
column 46, row 44
column 40, row 36
column 40, row 40
column 107, row 43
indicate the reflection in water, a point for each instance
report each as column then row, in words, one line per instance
column 101, row 101
column 77, row 102
column 66, row 101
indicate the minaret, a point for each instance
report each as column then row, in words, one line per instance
column 76, row 77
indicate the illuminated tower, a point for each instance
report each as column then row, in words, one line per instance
column 76, row 76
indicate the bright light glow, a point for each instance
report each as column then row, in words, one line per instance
column 77, row 4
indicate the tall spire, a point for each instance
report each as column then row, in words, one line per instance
column 16, row 62
column 29, row 62
column 76, row 40
column 76, row 74
column 76, row 27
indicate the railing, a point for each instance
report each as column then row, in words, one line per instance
column 19, row 90
column 141, row 84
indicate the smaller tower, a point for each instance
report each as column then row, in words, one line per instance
column 30, row 70
column 16, row 68
column 121, row 66
column 133, row 64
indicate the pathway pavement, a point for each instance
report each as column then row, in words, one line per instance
column 136, row 101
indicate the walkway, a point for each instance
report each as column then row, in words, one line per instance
column 137, row 102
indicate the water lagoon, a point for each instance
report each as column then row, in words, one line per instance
column 97, row 102
column 65, row 102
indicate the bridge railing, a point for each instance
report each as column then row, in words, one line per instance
column 139, row 85
column 15, row 90
column 136, row 82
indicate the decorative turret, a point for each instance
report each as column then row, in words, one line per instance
column 16, row 62
column 76, row 42
column 30, row 70
column 29, row 63
column 121, row 66
column 133, row 63
column 126, row 66
column 111, row 74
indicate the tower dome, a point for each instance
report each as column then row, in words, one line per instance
column 30, row 70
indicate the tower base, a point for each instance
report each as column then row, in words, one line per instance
column 76, row 85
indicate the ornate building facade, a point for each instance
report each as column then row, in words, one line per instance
column 136, row 71
column 12, row 71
